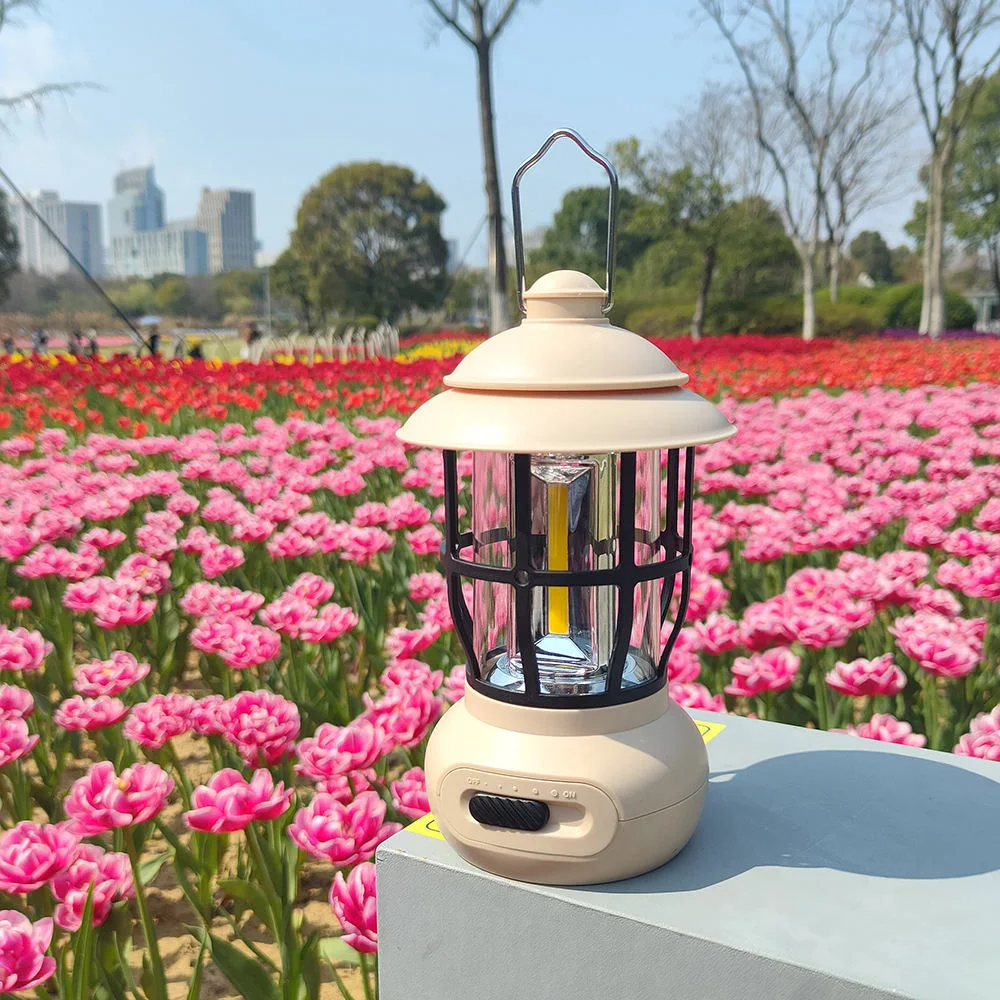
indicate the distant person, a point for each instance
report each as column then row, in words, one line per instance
column 196, row 353
column 39, row 340
column 8, row 344
column 74, row 345
column 251, row 336
column 153, row 343
column 91, row 348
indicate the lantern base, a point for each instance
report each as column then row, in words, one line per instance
column 566, row 796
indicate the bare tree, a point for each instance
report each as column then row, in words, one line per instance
column 34, row 98
column 796, row 73
column 479, row 23
column 718, row 139
column 864, row 169
column 953, row 54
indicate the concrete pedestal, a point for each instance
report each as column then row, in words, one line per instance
column 825, row 867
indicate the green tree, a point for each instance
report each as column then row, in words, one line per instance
column 684, row 213
column 290, row 282
column 756, row 256
column 872, row 252
column 9, row 247
column 136, row 298
column 975, row 194
column 578, row 236
column 369, row 238
column 467, row 293
column 172, row 298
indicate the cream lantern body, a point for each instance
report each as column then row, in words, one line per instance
column 566, row 762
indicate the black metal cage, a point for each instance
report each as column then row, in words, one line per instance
column 522, row 577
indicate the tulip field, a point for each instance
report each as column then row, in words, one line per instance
column 224, row 637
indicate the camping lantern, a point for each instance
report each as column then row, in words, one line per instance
column 567, row 762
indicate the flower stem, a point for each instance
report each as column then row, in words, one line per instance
column 365, row 980
column 159, row 981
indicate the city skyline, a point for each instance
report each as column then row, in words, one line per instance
column 138, row 239
column 277, row 107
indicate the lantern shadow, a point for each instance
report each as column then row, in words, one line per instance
column 882, row 814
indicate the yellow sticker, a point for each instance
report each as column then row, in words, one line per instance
column 709, row 730
column 427, row 825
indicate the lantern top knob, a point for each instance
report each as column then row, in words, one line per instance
column 565, row 344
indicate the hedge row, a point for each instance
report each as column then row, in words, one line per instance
column 859, row 310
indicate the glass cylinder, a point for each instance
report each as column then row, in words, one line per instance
column 574, row 528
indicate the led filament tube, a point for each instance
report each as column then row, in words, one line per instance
column 558, row 553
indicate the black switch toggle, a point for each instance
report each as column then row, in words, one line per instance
column 509, row 812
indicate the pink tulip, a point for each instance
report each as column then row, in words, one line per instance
column 229, row 802
column 236, row 641
column 23, row 962
column 154, row 722
column 336, row 750
column 31, row 854
column 109, row 677
column 102, row 800
column 102, row 538
column 342, row 834
column 204, row 716
column 105, row 876
column 773, row 670
column 425, row 541
column 368, row 515
column 697, row 696
column 344, row 787
column 328, row 624
column 409, row 793
column 15, row 702
column 21, row 649
column 218, row 559
column 717, row 634
column 424, row 586
column 311, row 588
column 363, row 544
column 945, row 647
column 409, row 673
column 261, row 725
column 983, row 738
column 353, row 902
column 818, row 629
column 77, row 713
column 142, row 574
column 405, row 715
column 404, row 644
column 287, row 614
column 119, row 608
column 454, row 684
column 206, row 598
column 865, row 678
column 15, row 740
column 886, row 729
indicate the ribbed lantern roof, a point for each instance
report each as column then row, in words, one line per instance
column 565, row 381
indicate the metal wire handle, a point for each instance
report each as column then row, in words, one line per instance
column 515, row 197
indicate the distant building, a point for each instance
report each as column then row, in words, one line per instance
column 77, row 224
column 987, row 306
column 227, row 217
column 178, row 248
column 137, row 205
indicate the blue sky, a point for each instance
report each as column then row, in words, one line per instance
column 270, row 96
